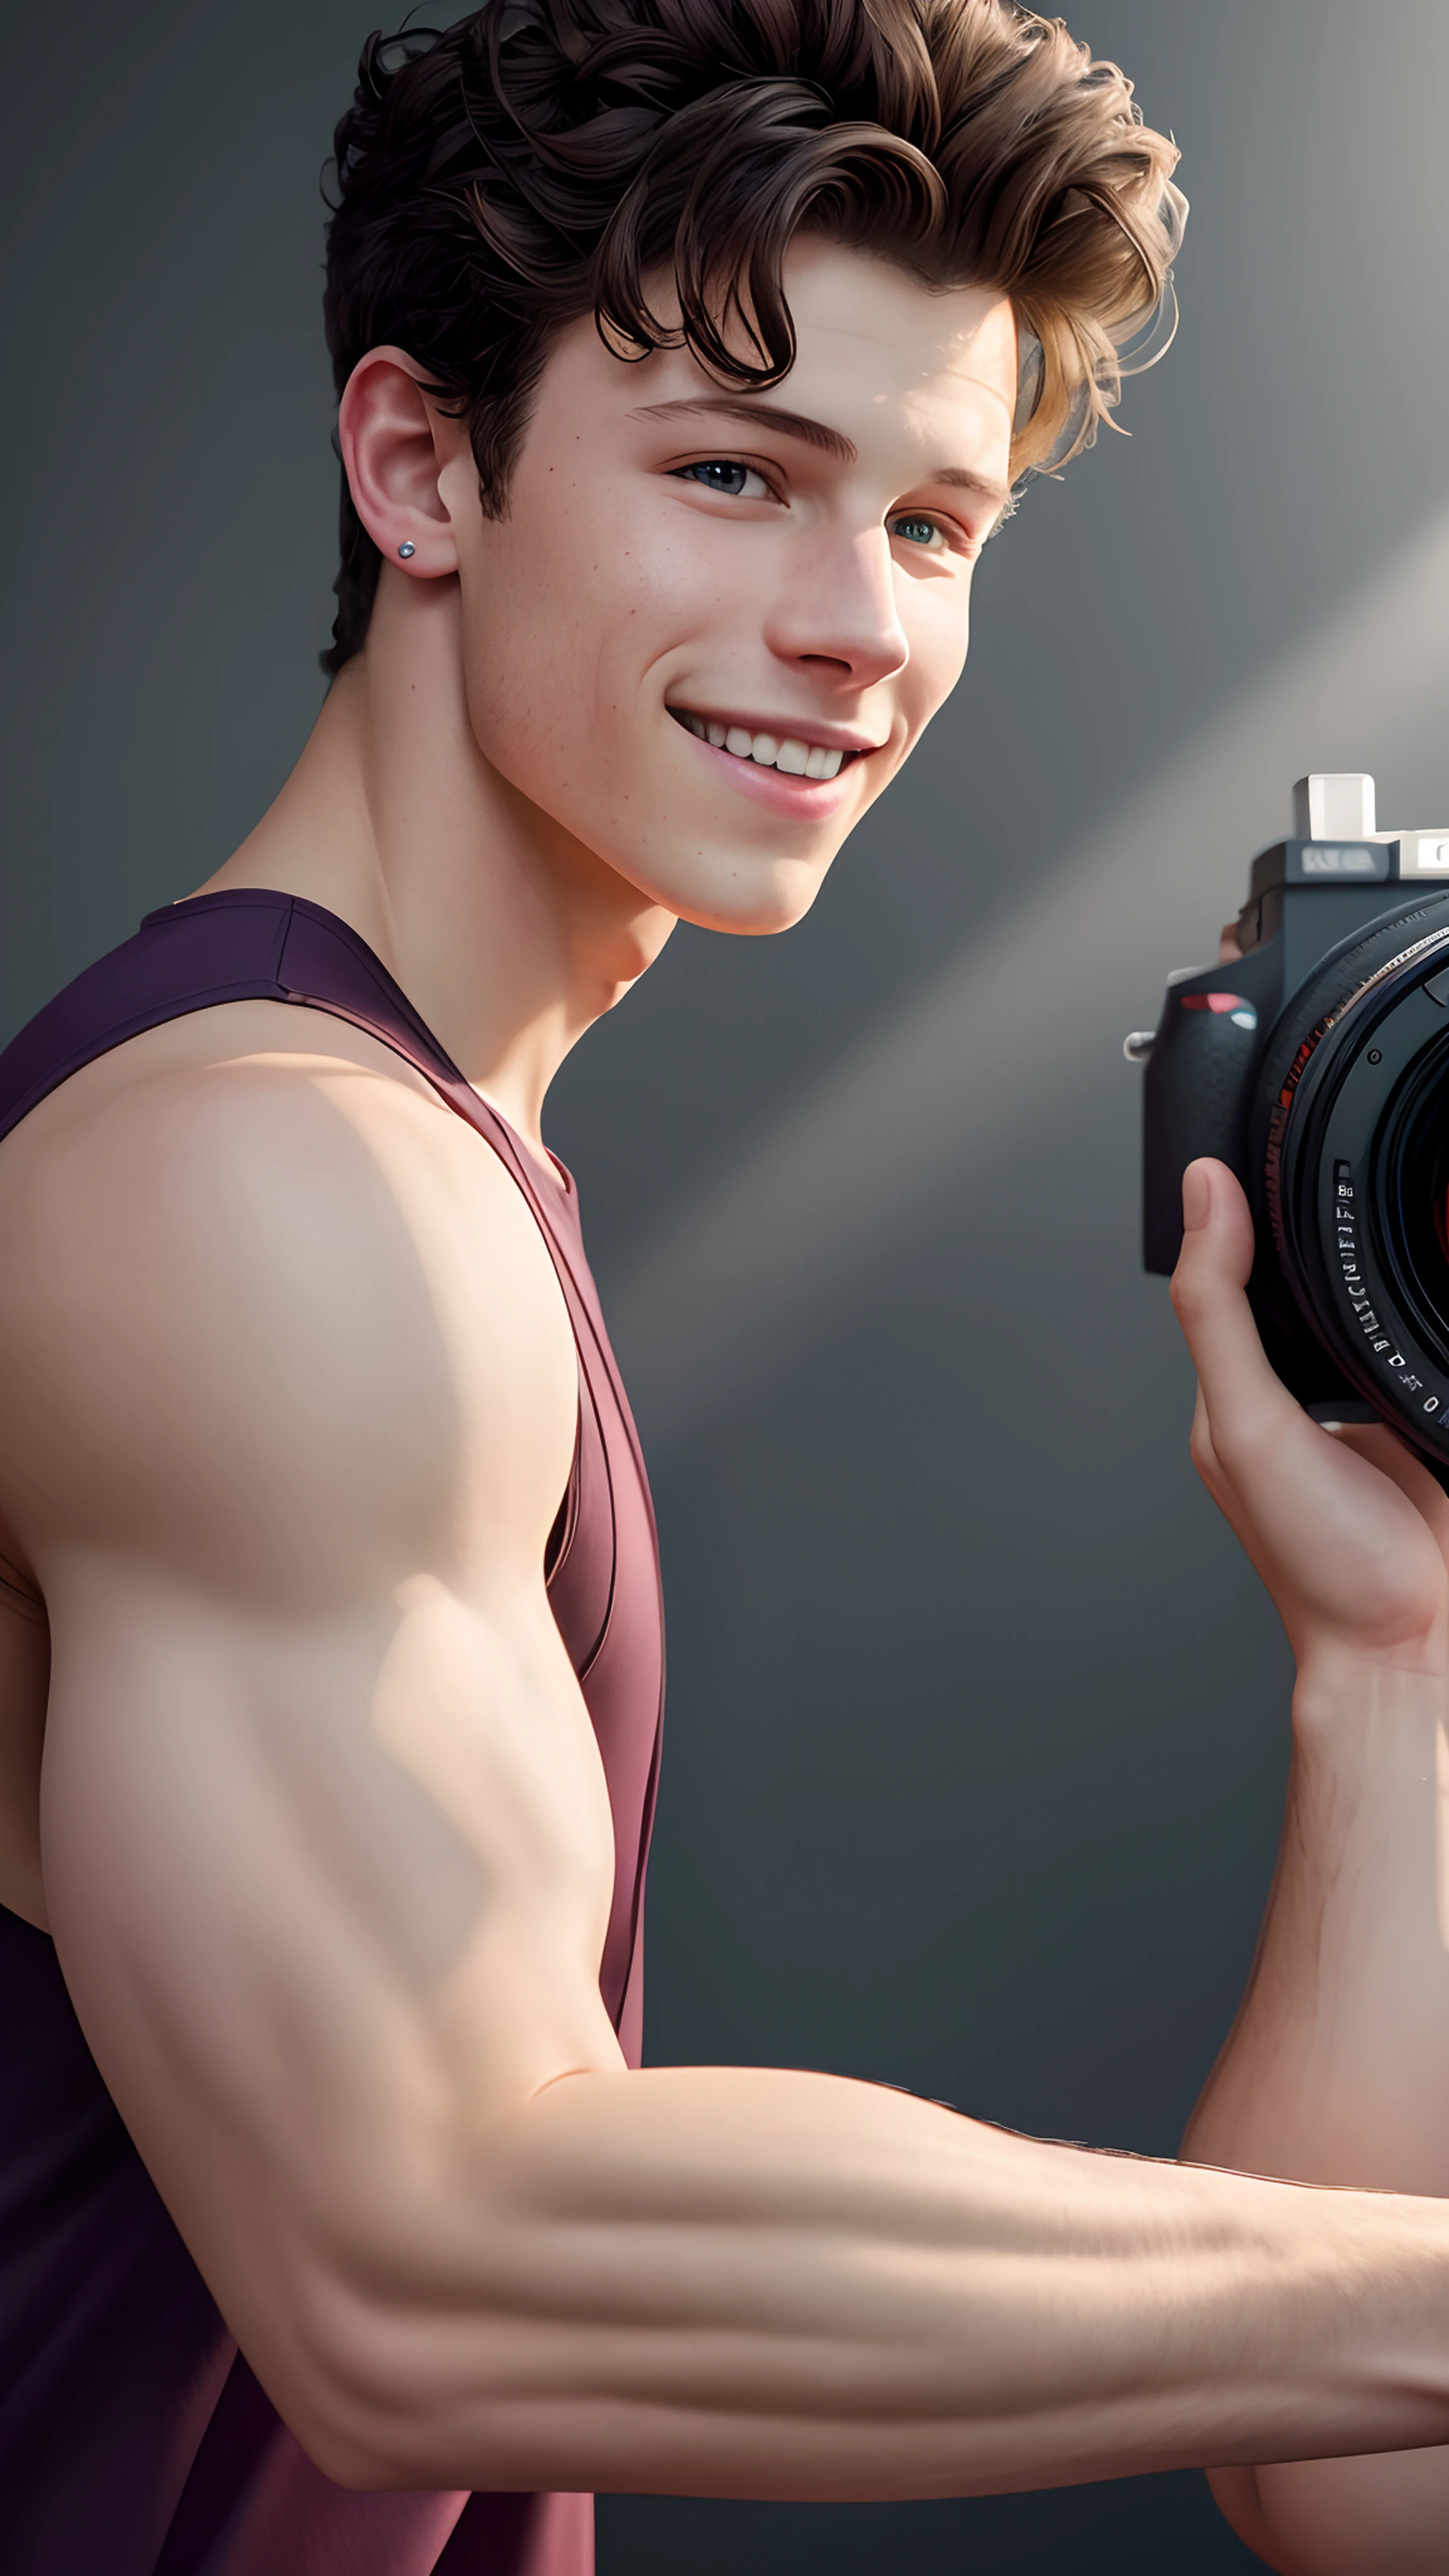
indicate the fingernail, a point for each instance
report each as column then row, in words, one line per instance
column 1197, row 1198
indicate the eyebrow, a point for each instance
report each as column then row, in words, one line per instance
column 962, row 478
column 832, row 442
column 814, row 433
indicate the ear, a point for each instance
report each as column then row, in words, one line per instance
column 395, row 443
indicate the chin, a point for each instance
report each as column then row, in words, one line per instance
column 752, row 900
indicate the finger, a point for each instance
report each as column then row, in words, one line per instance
column 1245, row 1402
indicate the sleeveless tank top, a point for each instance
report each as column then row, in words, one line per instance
column 134, row 2440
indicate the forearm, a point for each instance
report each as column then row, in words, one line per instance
column 1337, row 2069
column 730, row 2282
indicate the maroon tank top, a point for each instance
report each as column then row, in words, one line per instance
column 134, row 2440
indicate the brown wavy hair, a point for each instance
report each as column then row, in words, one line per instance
column 544, row 159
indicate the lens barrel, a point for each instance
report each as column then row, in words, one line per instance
column 1349, row 1142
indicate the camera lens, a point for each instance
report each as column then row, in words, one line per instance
column 1411, row 1198
column 1349, row 1149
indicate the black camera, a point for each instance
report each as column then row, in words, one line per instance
column 1316, row 1064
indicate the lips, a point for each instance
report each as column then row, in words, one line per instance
column 769, row 747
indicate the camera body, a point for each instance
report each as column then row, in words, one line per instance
column 1316, row 1065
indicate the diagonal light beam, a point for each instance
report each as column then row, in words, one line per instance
column 1042, row 1002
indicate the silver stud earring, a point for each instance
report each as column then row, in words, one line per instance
column 407, row 550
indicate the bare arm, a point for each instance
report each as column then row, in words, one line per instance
column 327, row 1854
column 1337, row 2068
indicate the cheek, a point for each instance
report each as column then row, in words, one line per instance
column 937, row 620
column 569, row 609
column 526, row 623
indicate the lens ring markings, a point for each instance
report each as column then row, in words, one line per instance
column 1334, row 1138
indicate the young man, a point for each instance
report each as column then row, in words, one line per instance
column 340, row 2228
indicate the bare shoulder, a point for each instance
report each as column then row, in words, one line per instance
column 255, row 1276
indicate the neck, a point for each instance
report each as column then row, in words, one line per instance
column 507, row 935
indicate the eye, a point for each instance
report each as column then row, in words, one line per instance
column 918, row 530
column 726, row 474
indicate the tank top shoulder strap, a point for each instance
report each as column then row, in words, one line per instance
column 246, row 944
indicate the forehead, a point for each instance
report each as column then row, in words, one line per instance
column 863, row 322
column 898, row 368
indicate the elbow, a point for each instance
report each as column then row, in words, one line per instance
column 346, row 2460
column 376, row 2400
column 360, row 2431
column 366, row 2430
column 378, row 2443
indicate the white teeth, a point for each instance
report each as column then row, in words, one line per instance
column 796, row 759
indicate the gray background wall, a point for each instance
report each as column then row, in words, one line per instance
column 977, row 1719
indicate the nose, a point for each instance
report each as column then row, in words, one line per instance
column 838, row 615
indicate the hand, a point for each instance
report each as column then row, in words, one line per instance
column 1347, row 1528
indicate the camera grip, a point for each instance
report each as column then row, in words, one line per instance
column 1197, row 1087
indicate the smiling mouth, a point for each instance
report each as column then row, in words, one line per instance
column 768, row 750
